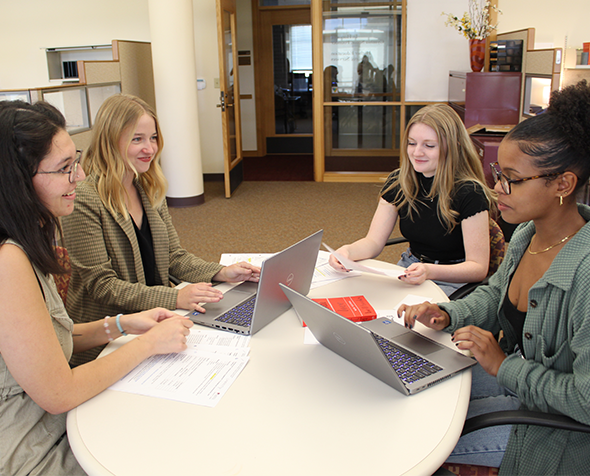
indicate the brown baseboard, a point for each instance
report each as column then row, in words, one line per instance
column 185, row 201
column 213, row 177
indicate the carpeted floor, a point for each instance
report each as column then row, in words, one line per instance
column 279, row 168
column 270, row 216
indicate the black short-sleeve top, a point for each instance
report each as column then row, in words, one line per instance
column 425, row 232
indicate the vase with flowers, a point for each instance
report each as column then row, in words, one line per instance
column 474, row 25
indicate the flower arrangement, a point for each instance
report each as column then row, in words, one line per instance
column 475, row 24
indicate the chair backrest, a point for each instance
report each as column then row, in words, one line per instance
column 497, row 247
column 63, row 280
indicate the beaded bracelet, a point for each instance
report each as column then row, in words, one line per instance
column 106, row 328
column 119, row 325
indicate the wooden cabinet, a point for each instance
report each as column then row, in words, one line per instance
column 487, row 148
column 486, row 98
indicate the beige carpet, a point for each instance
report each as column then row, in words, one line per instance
column 270, row 216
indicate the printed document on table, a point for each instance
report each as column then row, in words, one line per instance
column 200, row 375
column 227, row 259
column 323, row 273
column 355, row 265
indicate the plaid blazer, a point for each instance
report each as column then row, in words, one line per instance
column 107, row 270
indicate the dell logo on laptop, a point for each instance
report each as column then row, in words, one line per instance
column 339, row 338
column 290, row 279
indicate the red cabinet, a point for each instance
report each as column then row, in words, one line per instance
column 486, row 98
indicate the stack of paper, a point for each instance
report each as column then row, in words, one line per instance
column 200, row 375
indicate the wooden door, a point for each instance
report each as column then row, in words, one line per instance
column 229, row 95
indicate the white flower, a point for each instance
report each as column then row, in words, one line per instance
column 475, row 24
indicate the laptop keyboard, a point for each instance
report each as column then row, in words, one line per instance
column 241, row 315
column 409, row 367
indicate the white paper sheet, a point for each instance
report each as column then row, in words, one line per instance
column 355, row 265
column 200, row 375
column 323, row 273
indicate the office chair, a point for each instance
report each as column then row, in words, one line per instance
column 497, row 252
column 510, row 417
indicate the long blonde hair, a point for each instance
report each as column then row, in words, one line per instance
column 117, row 115
column 458, row 163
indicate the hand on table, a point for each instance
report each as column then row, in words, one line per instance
column 416, row 273
column 169, row 335
column 191, row 295
column 428, row 314
column 141, row 322
column 238, row 272
column 483, row 345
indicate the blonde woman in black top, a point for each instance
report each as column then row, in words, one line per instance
column 442, row 202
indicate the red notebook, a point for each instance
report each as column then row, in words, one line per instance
column 355, row 308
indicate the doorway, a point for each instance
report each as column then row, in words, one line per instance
column 285, row 81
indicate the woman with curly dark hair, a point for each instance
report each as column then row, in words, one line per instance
column 538, row 297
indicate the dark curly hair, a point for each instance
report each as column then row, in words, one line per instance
column 26, row 137
column 559, row 139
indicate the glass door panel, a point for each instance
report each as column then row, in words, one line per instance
column 293, row 79
column 362, row 50
column 363, row 71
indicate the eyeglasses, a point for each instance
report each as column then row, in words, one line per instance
column 506, row 183
column 72, row 170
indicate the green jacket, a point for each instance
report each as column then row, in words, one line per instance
column 554, row 376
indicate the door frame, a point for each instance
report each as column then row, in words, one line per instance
column 232, row 166
column 263, row 20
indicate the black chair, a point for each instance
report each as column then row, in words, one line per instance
column 515, row 417
column 523, row 417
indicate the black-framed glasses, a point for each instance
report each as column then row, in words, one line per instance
column 72, row 170
column 506, row 183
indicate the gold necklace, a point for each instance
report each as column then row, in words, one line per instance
column 549, row 247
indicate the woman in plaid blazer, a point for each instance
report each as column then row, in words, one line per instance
column 120, row 237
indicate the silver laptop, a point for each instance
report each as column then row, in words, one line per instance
column 402, row 358
column 249, row 307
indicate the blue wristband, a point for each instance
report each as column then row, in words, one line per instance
column 119, row 325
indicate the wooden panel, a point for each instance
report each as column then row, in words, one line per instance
column 527, row 36
column 137, row 76
column 97, row 72
column 540, row 62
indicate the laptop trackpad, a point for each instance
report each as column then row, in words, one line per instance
column 231, row 299
column 417, row 344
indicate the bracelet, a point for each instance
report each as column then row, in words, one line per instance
column 119, row 325
column 106, row 328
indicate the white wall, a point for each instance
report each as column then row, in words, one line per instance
column 29, row 26
column 433, row 49
column 552, row 21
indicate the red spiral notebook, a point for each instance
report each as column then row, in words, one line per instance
column 355, row 308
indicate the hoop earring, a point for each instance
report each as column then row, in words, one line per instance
column 560, row 200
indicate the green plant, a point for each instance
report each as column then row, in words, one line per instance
column 475, row 23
